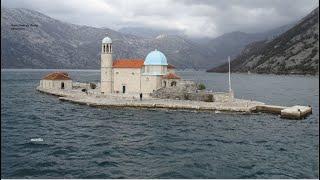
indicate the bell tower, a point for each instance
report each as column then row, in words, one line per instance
column 106, row 66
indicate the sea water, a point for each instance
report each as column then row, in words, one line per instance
column 83, row 142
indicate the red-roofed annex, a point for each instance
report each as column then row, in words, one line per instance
column 56, row 80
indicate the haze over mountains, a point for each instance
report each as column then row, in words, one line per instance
column 294, row 52
column 148, row 32
column 57, row 44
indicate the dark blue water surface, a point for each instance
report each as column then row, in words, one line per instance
column 85, row 142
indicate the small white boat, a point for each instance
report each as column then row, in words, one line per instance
column 36, row 140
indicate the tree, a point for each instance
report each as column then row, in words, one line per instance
column 201, row 86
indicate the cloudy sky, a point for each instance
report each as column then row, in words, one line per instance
column 199, row 18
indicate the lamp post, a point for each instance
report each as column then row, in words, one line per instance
column 229, row 75
column 231, row 95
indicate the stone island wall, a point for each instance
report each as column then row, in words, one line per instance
column 187, row 90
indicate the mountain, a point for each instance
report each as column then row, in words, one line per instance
column 273, row 33
column 228, row 44
column 148, row 32
column 231, row 44
column 294, row 52
column 50, row 43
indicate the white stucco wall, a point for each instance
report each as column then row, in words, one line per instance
column 106, row 73
column 128, row 77
column 155, row 70
column 55, row 84
column 150, row 83
column 134, row 81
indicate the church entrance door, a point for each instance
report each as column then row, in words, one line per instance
column 123, row 89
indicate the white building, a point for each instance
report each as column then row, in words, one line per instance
column 134, row 75
column 56, row 80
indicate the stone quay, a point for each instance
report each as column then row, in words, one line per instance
column 93, row 98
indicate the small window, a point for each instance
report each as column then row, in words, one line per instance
column 132, row 73
column 117, row 72
column 147, row 79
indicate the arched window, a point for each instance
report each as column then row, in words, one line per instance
column 164, row 83
column 62, row 85
column 104, row 48
column 173, row 83
column 109, row 48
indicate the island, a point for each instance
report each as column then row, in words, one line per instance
column 152, row 83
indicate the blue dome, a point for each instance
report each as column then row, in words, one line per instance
column 155, row 58
column 106, row 40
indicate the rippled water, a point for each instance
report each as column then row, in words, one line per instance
column 85, row 142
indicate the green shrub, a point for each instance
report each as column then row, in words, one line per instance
column 201, row 87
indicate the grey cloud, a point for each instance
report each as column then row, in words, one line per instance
column 194, row 17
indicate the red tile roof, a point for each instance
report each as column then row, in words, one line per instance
column 57, row 76
column 171, row 76
column 170, row 66
column 128, row 63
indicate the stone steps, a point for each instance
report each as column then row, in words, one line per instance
column 294, row 112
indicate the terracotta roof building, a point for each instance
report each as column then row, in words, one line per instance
column 171, row 76
column 127, row 76
column 56, row 80
column 128, row 63
column 131, row 76
column 57, row 76
column 170, row 66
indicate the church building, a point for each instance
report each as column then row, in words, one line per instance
column 134, row 75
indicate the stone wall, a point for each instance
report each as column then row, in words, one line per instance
column 184, row 90
column 55, row 84
column 187, row 90
column 79, row 85
column 127, row 78
column 150, row 83
column 222, row 96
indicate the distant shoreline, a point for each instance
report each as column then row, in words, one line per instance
column 29, row 69
column 88, row 69
column 178, row 70
column 253, row 73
